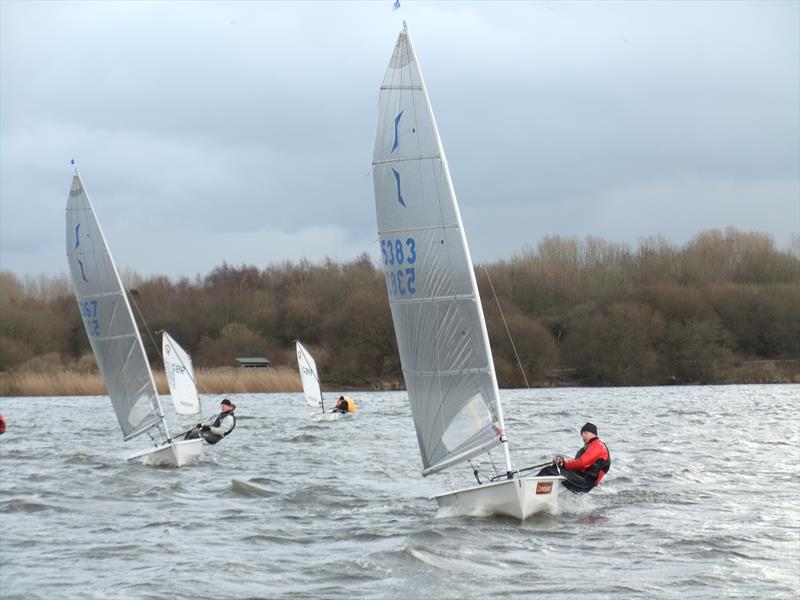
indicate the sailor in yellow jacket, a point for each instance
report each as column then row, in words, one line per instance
column 345, row 404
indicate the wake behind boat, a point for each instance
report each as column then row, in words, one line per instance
column 114, row 336
column 436, row 309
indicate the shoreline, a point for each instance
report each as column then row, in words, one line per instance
column 231, row 380
column 209, row 381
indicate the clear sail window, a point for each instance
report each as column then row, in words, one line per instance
column 473, row 417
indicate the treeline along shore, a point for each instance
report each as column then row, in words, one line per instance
column 723, row 308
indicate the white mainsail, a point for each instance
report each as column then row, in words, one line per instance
column 438, row 320
column 108, row 319
column 180, row 377
column 309, row 378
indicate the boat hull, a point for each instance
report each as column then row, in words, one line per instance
column 176, row 454
column 518, row 498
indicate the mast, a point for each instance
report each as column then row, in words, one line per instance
column 157, row 400
column 496, row 390
column 431, row 284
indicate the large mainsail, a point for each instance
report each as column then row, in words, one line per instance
column 309, row 378
column 108, row 319
column 180, row 377
column 436, row 309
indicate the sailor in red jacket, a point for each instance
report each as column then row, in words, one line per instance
column 588, row 467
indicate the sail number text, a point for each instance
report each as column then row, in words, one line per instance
column 397, row 254
column 89, row 313
column 173, row 369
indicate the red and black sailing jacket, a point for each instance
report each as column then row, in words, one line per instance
column 593, row 460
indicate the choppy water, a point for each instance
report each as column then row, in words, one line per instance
column 703, row 501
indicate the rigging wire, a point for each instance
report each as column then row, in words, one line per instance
column 497, row 301
column 131, row 294
column 156, row 442
column 492, row 461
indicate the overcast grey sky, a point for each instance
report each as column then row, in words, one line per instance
column 243, row 131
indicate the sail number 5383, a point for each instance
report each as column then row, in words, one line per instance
column 395, row 252
column 400, row 279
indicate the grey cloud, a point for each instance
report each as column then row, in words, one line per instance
column 620, row 120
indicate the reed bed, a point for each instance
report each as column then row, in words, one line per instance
column 209, row 381
column 240, row 381
column 58, row 383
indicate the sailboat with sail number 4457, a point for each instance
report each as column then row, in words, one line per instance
column 436, row 309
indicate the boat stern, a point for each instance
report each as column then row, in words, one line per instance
column 518, row 498
column 176, row 454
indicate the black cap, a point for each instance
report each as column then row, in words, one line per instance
column 590, row 427
column 227, row 402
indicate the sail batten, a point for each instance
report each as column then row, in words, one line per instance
column 420, row 228
column 399, row 160
column 104, row 295
column 436, row 311
column 108, row 319
column 116, row 337
column 453, row 372
column 442, row 299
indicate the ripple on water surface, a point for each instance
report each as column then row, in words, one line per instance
column 703, row 501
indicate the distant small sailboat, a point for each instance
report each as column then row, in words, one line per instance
column 180, row 377
column 309, row 378
column 436, row 309
column 345, row 405
column 114, row 336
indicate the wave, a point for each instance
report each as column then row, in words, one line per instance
column 458, row 562
column 250, row 490
column 304, row 438
column 19, row 505
column 81, row 458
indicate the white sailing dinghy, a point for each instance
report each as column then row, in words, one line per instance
column 114, row 337
column 309, row 378
column 438, row 319
column 180, row 377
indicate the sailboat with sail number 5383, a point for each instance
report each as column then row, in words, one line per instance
column 436, row 309
column 115, row 338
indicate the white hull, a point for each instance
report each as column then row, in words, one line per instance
column 519, row 498
column 329, row 416
column 176, row 454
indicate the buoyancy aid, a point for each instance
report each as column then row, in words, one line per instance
column 351, row 404
column 345, row 404
column 598, row 468
column 213, row 438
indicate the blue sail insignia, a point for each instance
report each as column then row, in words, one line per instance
column 396, row 123
column 77, row 239
column 399, row 195
column 83, row 273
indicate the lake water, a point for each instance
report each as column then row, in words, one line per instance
column 703, row 501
